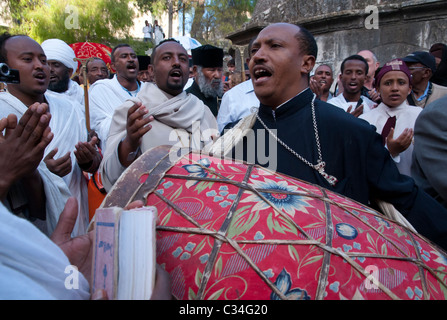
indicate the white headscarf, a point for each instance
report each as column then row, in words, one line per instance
column 56, row 49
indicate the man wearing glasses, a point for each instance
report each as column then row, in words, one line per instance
column 422, row 66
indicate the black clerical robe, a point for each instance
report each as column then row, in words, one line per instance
column 353, row 153
column 211, row 102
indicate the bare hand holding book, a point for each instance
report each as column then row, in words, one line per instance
column 124, row 260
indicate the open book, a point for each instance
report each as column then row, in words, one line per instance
column 124, row 261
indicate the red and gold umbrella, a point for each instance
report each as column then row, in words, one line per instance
column 85, row 50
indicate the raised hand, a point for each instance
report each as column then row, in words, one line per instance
column 138, row 124
column 23, row 144
column 401, row 143
column 356, row 112
column 61, row 166
column 87, row 155
column 316, row 87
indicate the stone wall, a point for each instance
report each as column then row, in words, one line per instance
column 341, row 26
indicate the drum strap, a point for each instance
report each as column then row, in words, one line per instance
column 232, row 137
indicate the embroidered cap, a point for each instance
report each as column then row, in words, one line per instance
column 393, row 65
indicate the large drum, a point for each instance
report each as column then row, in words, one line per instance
column 230, row 230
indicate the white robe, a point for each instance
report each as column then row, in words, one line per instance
column 68, row 126
column 237, row 103
column 340, row 101
column 74, row 93
column 32, row 267
column 104, row 97
column 406, row 116
column 158, row 34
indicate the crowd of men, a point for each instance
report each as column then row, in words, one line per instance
column 379, row 135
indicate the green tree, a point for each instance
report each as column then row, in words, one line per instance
column 215, row 19
column 211, row 19
column 72, row 20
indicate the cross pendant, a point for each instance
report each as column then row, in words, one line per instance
column 320, row 168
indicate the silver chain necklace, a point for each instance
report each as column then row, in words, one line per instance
column 320, row 164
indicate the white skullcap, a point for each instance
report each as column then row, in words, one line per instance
column 56, row 49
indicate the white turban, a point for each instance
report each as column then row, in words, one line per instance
column 58, row 50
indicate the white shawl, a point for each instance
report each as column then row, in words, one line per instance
column 183, row 121
column 68, row 127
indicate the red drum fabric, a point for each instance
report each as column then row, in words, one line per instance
column 229, row 230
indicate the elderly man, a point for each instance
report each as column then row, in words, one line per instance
column 208, row 68
column 68, row 154
column 96, row 69
column 161, row 114
column 313, row 141
column 422, row 66
column 145, row 73
column 62, row 67
column 106, row 95
column 369, row 90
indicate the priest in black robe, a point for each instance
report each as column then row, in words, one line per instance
column 294, row 132
column 208, row 69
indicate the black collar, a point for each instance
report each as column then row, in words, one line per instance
column 292, row 106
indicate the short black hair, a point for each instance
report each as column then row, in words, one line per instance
column 3, row 53
column 307, row 42
column 122, row 45
column 355, row 57
column 250, row 46
column 158, row 45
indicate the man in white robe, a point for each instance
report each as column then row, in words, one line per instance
column 60, row 169
column 161, row 114
column 159, row 34
column 353, row 74
column 58, row 52
column 106, row 95
column 66, row 124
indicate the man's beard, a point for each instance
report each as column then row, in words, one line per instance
column 210, row 89
column 60, row 86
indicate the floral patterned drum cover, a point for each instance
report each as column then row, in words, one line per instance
column 229, row 230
